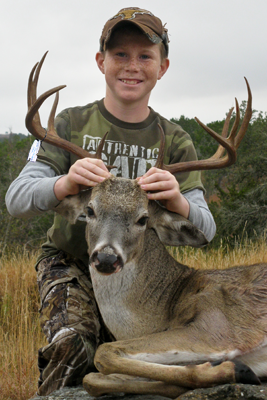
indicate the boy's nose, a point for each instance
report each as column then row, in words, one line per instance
column 133, row 64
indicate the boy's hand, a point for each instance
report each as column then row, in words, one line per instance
column 162, row 185
column 82, row 174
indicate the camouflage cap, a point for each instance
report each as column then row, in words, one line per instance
column 145, row 20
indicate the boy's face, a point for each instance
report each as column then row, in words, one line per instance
column 132, row 64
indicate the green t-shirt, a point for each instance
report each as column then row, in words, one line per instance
column 131, row 147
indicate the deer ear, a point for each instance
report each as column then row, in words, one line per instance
column 72, row 207
column 173, row 229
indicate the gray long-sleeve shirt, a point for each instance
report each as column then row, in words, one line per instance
column 32, row 193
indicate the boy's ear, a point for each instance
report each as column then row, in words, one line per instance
column 164, row 67
column 100, row 58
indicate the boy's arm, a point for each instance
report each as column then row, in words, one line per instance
column 32, row 192
column 200, row 214
column 38, row 188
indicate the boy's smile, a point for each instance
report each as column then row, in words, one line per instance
column 132, row 65
column 130, row 82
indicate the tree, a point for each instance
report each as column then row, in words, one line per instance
column 242, row 203
column 240, row 190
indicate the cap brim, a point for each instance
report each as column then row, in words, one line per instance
column 152, row 36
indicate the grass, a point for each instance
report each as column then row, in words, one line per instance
column 20, row 335
column 224, row 257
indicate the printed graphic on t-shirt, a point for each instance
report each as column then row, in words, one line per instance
column 130, row 160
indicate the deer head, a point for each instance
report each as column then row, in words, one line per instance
column 118, row 216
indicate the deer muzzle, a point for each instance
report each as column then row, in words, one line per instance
column 106, row 263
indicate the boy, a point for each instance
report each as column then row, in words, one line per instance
column 133, row 56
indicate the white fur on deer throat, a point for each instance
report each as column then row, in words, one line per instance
column 111, row 293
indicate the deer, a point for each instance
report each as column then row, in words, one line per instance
column 175, row 328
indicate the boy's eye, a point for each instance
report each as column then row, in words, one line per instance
column 121, row 54
column 145, row 57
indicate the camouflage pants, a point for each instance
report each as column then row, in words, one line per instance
column 70, row 319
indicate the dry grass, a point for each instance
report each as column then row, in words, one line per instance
column 20, row 335
column 245, row 254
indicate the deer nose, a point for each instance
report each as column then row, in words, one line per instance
column 106, row 263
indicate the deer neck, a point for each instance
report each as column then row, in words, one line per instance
column 133, row 301
column 159, row 276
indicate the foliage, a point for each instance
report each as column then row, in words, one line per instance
column 13, row 231
column 240, row 191
column 243, row 203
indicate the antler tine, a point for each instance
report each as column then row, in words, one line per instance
column 246, row 119
column 32, row 86
column 33, row 122
column 33, row 80
column 31, row 93
column 221, row 150
column 52, row 115
column 100, row 148
column 222, row 147
column 228, row 144
column 159, row 162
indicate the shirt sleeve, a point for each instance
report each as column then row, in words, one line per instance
column 32, row 192
column 200, row 214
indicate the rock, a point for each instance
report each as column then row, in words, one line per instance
column 78, row 393
column 227, row 392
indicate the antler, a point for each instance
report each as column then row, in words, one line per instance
column 229, row 144
column 33, row 122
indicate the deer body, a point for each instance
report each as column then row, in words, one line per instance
column 134, row 303
column 158, row 310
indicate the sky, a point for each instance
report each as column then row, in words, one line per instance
column 214, row 44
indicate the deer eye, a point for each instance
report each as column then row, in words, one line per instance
column 142, row 221
column 89, row 211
